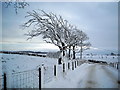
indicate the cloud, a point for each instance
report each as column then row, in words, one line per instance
column 94, row 48
column 98, row 19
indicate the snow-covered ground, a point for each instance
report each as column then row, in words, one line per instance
column 16, row 63
column 103, row 58
column 85, row 76
column 100, row 58
column 18, row 67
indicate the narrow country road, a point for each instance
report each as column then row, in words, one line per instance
column 99, row 76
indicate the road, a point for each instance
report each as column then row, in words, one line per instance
column 99, row 76
column 87, row 75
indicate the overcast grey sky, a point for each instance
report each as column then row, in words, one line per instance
column 98, row 19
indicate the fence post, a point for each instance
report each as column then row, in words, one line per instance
column 68, row 65
column 75, row 64
column 42, row 76
column 63, row 67
column 72, row 65
column 79, row 63
column 39, row 78
column 117, row 65
column 55, row 73
column 5, row 82
column 114, row 65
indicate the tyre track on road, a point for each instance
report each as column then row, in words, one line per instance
column 90, row 82
column 99, row 76
column 110, row 75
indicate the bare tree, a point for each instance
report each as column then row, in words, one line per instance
column 54, row 29
column 78, row 39
column 74, row 42
column 71, row 38
column 83, row 42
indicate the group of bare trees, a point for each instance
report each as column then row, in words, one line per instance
column 55, row 30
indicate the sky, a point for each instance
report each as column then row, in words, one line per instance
column 98, row 19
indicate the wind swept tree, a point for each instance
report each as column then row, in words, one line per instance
column 71, row 38
column 74, row 42
column 82, row 42
column 54, row 29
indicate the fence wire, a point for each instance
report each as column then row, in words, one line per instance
column 30, row 79
column 25, row 79
column 1, row 82
column 48, row 74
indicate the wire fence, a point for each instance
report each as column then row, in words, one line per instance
column 30, row 79
column 114, row 65
column 25, row 79
column 48, row 74
column 1, row 83
column 38, row 77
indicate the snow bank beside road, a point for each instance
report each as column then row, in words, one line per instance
column 87, row 76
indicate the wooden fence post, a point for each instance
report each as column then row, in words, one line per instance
column 63, row 67
column 68, row 65
column 42, row 76
column 5, row 82
column 79, row 63
column 39, row 78
column 72, row 65
column 117, row 65
column 55, row 72
column 75, row 64
column 114, row 65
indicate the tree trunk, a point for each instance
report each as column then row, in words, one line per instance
column 60, row 57
column 73, row 52
column 81, row 50
column 63, row 45
column 69, row 51
column 63, row 52
column 81, row 53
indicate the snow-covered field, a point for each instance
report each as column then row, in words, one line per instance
column 103, row 58
column 98, row 57
column 24, row 69
column 13, row 65
column 87, row 76
column 17, row 63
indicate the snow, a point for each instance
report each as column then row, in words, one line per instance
column 18, row 63
column 18, row 67
column 100, row 58
column 86, row 75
